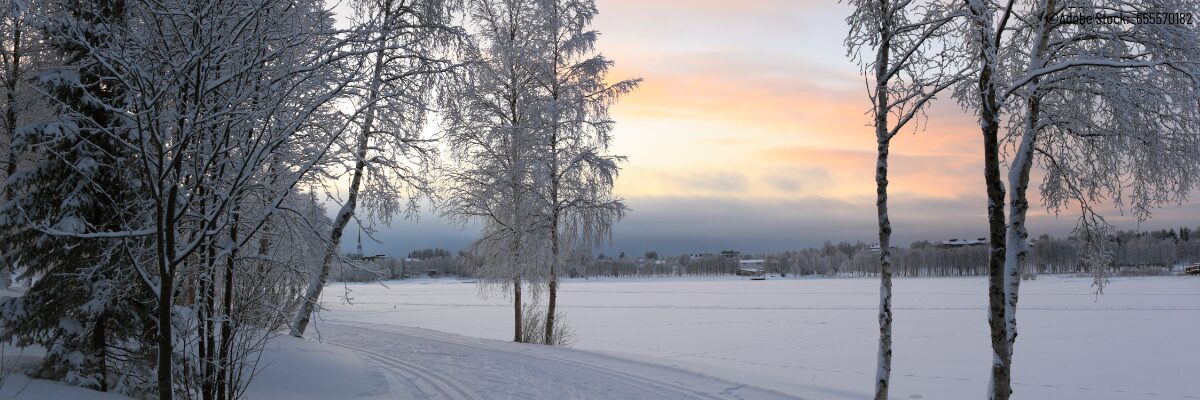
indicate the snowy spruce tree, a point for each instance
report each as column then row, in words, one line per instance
column 85, row 301
column 22, row 53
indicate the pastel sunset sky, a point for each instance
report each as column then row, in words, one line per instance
column 750, row 132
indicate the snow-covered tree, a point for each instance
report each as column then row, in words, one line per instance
column 491, row 122
column 1114, row 100
column 575, row 173
column 388, row 158
column 81, row 181
column 195, row 103
column 22, row 52
column 914, row 59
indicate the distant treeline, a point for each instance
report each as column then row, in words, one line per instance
column 1133, row 253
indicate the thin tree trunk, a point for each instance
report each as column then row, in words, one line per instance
column 556, row 211
column 199, row 299
column 10, row 106
column 1018, row 234
column 514, row 173
column 553, row 285
column 883, row 371
column 264, row 239
column 313, row 292
column 208, row 307
column 1001, row 371
column 518, row 327
column 99, row 345
column 166, row 291
column 10, row 124
column 1018, row 178
column 884, row 367
column 999, row 387
column 224, row 363
column 517, row 337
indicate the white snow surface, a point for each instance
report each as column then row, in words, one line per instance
column 731, row 338
column 414, row 363
column 725, row 338
column 20, row 387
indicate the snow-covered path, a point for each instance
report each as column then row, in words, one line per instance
column 424, row 364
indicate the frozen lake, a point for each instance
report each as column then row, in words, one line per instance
column 816, row 338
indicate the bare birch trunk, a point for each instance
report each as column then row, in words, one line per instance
column 999, row 387
column 313, row 293
column 883, row 371
column 556, row 211
column 553, row 285
column 517, row 337
column 1018, row 234
column 1018, row 179
column 884, row 366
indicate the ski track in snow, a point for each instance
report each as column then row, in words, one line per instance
column 426, row 382
column 452, row 367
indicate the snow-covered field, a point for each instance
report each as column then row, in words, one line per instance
column 816, row 338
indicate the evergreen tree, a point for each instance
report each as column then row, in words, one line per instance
column 82, row 283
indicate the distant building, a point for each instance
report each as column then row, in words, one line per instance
column 964, row 242
column 731, row 254
column 408, row 267
column 752, row 267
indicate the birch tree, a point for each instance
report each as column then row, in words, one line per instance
column 576, row 173
column 1122, row 104
column 913, row 62
column 491, row 123
column 388, row 158
column 1072, row 91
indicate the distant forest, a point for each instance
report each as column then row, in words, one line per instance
column 1132, row 253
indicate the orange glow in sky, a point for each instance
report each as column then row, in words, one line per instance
column 750, row 131
column 760, row 101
